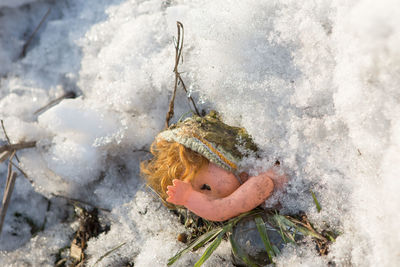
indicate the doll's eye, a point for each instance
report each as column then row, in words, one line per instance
column 205, row 187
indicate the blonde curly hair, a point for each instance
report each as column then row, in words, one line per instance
column 170, row 161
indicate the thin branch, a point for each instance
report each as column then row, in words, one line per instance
column 179, row 45
column 6, row 135
column 4, row 155
column 178, row 50
column 12, row 148
column 178, row 78
column 170, row 112
column 80, row 201
column 18, row 146
column 9, row 169
column 6, row 198
column 28, row 42
column 188, row 96
column 70, row 94
column 22, row 172
column 176, row 67
column 10, row 182
column 4, row 131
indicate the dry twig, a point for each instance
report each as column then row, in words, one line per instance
column 10, row 182
column 6, row 135
column 54, row 102
column 74, row 201
column 21, row 145
column 178, row 78
column 22, row 172
column 6, row 150
column 9, row 151
column 9, row 168
column 25, row 47
column 89, row 227
column 189, row 97
column 4, row 155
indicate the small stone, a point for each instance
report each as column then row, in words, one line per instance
column 76, row 251
column 182, row 237
column 247, row 238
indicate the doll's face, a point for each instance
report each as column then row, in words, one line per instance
column 214, row 181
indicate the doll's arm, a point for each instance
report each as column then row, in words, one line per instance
column 248, row 196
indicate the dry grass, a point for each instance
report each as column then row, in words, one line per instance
column 178, row 78
column 89, row 227
column 9, row 152
column 291, row 229
column 28, row 42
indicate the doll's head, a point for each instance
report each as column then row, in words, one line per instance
column 171, row 160
column 182, row 149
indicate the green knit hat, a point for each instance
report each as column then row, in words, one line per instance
column 220, row 143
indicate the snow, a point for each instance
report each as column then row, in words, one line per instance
column 315, row 84
column 14, row 3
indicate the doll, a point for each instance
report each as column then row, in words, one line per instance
column 195, row 165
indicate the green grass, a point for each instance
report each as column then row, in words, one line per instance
column 290, row 229
column 318, row 206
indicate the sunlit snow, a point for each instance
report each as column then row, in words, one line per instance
column 316, row 83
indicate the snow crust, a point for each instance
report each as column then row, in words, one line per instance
column 315, row 83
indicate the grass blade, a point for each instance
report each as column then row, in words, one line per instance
column 264, row 236
column 286, row 235
column 239, row 253
column 208, row 237
column 211, row 235
column 235, row 220
column 214, row 245
column 196, row 244
column 299, row 228
column 330, row 236
column 108, row 253
column 276, row 250
column 316, row 201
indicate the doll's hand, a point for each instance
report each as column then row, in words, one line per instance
column 280, row 179
column 179, row 192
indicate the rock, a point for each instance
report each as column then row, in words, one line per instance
column 247, row 238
